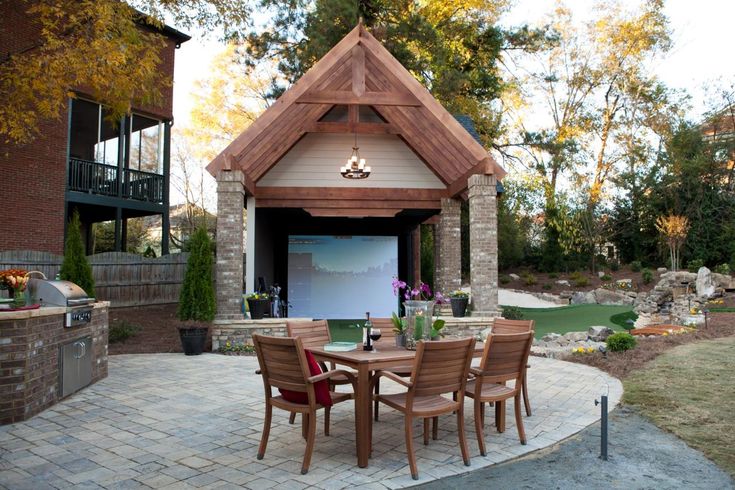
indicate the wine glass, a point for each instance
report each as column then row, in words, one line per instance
column 375, row 336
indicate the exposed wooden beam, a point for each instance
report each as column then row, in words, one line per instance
column 346, row 193
column 353, row 114
column 486, row 166
column 358, row 70
column 352, row 212
column 361, row 128
column 368, row 98
column 348, row 204
column 254, row 131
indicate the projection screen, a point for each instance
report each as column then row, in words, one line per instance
column 341, row 277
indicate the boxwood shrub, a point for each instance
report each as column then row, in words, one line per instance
column 619, row 342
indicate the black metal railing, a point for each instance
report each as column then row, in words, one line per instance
column 102, row 179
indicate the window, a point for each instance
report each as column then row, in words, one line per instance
column 146, row 144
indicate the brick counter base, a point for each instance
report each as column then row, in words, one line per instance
column 29, row 358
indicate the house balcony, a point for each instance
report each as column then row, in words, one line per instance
column 100, row 179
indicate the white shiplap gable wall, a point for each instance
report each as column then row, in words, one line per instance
column 315, row 161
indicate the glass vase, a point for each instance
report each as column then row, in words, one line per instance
column 418, row 321
column 19, row 298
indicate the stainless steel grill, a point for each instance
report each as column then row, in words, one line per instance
column 66, row 294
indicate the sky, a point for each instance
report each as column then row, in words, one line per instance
column 701, row 55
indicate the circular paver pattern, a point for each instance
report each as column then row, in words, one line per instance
column 168, row 420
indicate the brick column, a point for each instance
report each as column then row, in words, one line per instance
column 229, row 273
column 448, row 248
column 483, row 245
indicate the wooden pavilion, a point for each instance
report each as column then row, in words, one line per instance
column 285, row 171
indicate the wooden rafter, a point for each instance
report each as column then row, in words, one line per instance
column 368, row 98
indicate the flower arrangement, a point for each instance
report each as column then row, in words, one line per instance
column 258, row 296
column 421, row 293
column 459, row 294
column 15, row 280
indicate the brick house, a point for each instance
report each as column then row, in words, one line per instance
column 80, row 161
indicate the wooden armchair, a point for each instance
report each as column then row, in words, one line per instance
column 440, row 367
column 284, row 365
column 503, row 326
column 387, row 339
column 315, row 334
column 503, row 360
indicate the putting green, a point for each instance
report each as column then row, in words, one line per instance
column 573, row 318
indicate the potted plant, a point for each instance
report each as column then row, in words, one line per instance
column 399, row 327
column 459, row 300
column 196, row 300
column 436, row 329
column 258, row 305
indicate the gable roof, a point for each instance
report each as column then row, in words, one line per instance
column 360, row 71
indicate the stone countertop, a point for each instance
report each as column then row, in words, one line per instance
column 44, row 311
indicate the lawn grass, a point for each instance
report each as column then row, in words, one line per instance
column 688, row 391
column 573, row 318
column 564, row 319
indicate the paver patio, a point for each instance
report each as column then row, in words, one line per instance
column 171, row 421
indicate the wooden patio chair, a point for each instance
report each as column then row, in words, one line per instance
column 440, row 367
column 503, row 326
column 503, row 360
column 388, row 339
column 284, row 365
column 315, row 334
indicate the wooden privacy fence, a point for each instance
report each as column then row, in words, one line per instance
column 123, row 279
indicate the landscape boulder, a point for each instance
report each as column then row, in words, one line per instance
column 515, row 277
column 583, row 298
column 661, row 270
column 705, row 283
column 575, row 336
column 550, row 337
column 563, row 282
column 599, row 333
column 608, row 297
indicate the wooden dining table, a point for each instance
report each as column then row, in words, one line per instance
column 365, row 363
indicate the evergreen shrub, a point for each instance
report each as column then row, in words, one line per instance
column 619, row 342
column 75, row 267
column 197, row 300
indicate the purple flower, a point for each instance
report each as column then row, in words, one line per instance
column 407, row 294
column 397, row 285
column 415, row 292
column 425, row 289
column 439, row 298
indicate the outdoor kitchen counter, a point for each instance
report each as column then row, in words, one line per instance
column 32, row 346
column 43, row 311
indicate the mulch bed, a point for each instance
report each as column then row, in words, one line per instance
column 621, row 364
column 547, row 284
column 158, row 330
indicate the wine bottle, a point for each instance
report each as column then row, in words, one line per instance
column 367, row 343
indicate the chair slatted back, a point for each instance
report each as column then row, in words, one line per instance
column 282, row 362
column 505, row 356
column 312, row 333
column 385, row 325
column 442, row 366
column 503, row 326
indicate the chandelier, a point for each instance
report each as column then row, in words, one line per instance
column 355, row 168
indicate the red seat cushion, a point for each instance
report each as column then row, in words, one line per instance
column 321, row 388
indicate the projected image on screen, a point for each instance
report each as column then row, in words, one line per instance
column 341, row 276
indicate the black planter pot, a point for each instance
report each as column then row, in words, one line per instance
column 193, row 340
column 258, row 308
column 459, row 306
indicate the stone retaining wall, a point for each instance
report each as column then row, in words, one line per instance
column 241, row 331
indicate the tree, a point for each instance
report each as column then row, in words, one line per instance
column 226, row 102
column 674, row 229
column 75, row 267
column 451, row 47
column 197, row 300
column 35, row 83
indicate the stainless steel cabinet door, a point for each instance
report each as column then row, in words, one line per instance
column 76, row 365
